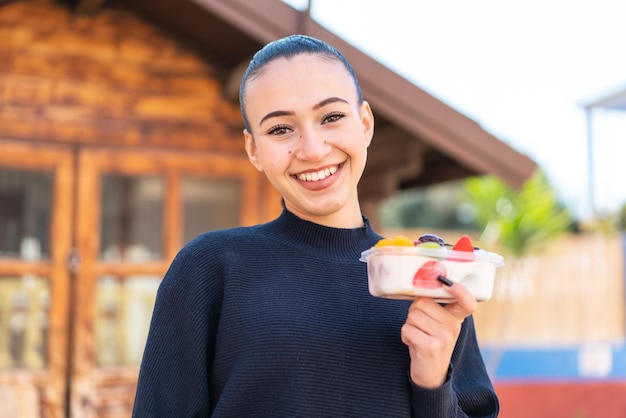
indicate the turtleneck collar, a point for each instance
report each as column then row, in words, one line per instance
column 320, row 240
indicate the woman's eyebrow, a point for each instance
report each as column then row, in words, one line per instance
column 329, row 101
column 275, row 114
column 278, row 113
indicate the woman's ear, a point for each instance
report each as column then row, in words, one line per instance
column 251, row 150
column 367, row 119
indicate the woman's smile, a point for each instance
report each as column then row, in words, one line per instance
column 318, row 174
column 319, row 179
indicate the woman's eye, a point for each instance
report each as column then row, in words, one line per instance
column 333, row 117
column 279, row 130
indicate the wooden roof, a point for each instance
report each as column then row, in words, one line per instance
column 418, row 141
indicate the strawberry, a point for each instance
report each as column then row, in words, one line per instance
column 426, row 276
column 464, row 244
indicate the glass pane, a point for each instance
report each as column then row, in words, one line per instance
column 25, row 210
column 209, row 204
column 132, row 218
column 24, row 306
column 123, row 312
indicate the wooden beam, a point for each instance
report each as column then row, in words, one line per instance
column 395, row 150
column 231, row 87
column 394, row 156
column 89, row 6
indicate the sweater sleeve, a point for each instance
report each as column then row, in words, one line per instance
column 173, row 377
column 467, row 392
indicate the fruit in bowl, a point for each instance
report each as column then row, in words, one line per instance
column 400, row 268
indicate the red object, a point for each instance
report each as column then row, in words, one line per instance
column 464, row 244
column 426, row 276
column 559, row 399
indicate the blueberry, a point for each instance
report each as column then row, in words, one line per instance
column 432, row 238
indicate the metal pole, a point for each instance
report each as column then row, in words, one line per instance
column 590, row 164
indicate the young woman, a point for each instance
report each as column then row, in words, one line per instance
column 275, row 320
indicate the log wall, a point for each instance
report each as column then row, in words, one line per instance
column 108, row 78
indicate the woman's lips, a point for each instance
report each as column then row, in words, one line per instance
column 317, row 175
column 319, row 179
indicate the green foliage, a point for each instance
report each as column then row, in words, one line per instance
column 607, row 222
column 518, row 220
column 621, row 218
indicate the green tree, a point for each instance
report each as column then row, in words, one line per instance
column 621, row 218
column 519, row 221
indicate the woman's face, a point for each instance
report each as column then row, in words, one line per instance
column 309, row 134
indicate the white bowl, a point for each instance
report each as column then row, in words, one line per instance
column 397, row 272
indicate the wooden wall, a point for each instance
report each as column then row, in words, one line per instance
column 572, row 292
column 108, row 78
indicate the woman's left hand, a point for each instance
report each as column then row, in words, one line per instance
column 431, row 331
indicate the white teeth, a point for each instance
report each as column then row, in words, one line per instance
column 318, row 175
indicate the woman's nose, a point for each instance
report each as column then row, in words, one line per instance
column 312, row 146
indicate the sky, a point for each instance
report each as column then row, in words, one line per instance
column 523, row 70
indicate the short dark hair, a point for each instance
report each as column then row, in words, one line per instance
column 289, row 47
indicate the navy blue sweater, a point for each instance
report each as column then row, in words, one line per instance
column 275, row 320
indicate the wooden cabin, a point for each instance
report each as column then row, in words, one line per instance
column 120, row 140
